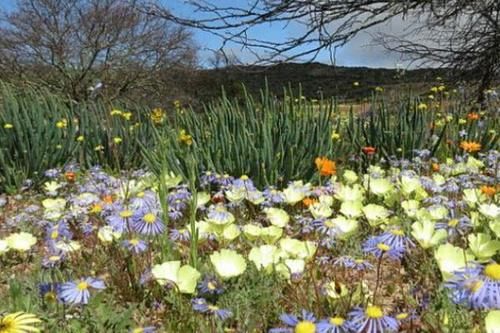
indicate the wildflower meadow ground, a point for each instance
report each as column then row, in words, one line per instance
column 285, row 217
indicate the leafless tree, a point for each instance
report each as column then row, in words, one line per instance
column 461, row 34
column 87, row 47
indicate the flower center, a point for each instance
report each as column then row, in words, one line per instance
column 329, row 224
column 337, row 321
column 134, row 241
column 383, row 247
column 305, row 327
column 54, row 234
column 138, row 330
column 149, row 218
column 211, row 286
column 82, row 286
column 374, row 312
column 453, row 223
column 402, row 316
column 397, row 232
column 492, row 271
column 126, row 213
column 474, row 285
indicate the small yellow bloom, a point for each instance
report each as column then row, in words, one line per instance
column 430, row 96
column 116, row 112
column 80, row 138
column 117, row 140
column 441, row 88
column 157, row 115
column 379, row 89
column 185, row 138
column 99, row 148
column 127, row 115
column 335, row 136
column 8, row 125
column 63, row 123
column 422, row 106
column 462, row 121
column 434, row 89
column 356, row 84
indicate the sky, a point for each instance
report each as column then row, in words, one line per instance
column 358, row 52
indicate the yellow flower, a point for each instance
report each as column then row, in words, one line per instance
column 335, row 136
column 462, row 121
column 8, row 126
column 157, row 115
column 422, row 106
column 63, row 123
column 127, row 115
column 356, row 84
column 80, row 138
column 99, row 148
column 185, row 138
column 434, row 89
column 19, row 322
column 441, row 88
column 379, row 89
column 117, row 140
column 116, row 112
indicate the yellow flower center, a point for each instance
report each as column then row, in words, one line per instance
column 383, row 247
column 149, row 218
column 453, row 223
column 126, row 213
column 50, row 296
column 54, row 234
column 305, row 327
column 138, row 330
column 140, row 195
column 134, row 241
column 474, row 285
column 397, row 232
column 492, row 271
column 54, row 258
column 374, row 312
column 329, row 223
column 337, row 321
column 213, row 308
column 82, row 286
column 211, row 286
column 244, row 177
column 402, row 316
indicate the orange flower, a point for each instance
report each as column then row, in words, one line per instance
column 473, row 116
column 368, row 150
column 488, row 190
column 107, row 199
column 70, row 176
column 435, row 167
column 325, row 166
column 470, row 146
column 309, row 201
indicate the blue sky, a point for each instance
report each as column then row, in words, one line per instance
column 356, row 53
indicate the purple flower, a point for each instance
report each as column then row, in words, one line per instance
column 135, row 245
column 376, row 247
column 306, row 322
column 201, row 305
column 148, row 223
column 372, row 320
column 78, row 292
column 335, row 324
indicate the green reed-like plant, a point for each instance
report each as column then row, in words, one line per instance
column 270, row 140
column 40, row 130
column 30, row 140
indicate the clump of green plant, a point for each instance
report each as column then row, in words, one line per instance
column 272, row 141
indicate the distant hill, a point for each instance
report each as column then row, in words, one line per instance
column 316, row 79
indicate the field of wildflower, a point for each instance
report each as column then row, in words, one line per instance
column 255, row 215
